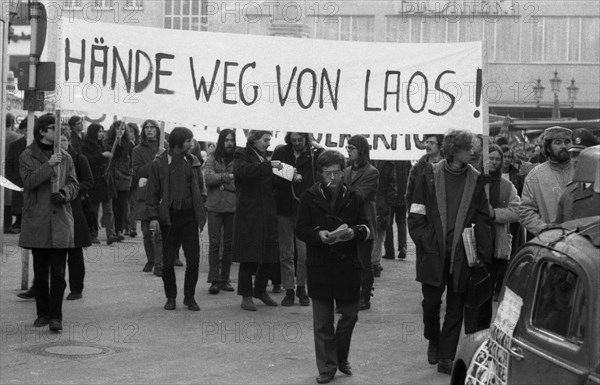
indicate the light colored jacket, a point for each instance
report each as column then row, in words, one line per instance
column 219, row 185
column 544, row 185
column 506, row 213
column 46, row 225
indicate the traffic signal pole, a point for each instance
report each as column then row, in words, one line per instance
column 3, row 109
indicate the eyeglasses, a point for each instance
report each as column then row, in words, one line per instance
column 332, row 174
column 350, row 147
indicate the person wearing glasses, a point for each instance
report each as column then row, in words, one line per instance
column 141, row 160
column 364, row 178
column 332, row 223
column 47, row 225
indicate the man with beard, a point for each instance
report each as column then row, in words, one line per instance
column 220, row 205
column 175, row 201
column 545, row 184
column 302, row 153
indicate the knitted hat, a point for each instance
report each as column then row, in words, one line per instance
column 557, row 132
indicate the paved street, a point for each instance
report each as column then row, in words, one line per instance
column 119, row 332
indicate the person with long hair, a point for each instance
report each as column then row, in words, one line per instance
column 142, row 156
column 122, row 172
column 220, row 204
column 103, row 191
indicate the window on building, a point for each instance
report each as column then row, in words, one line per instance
column 560, row 303
column 186, row 15
column 555, row 39
column 590, row 39
column 133, row 4
column 104, row 4
column 70, row 4
column 566, row 39
column 397, row 29
column 508, row 40
column 349, row 28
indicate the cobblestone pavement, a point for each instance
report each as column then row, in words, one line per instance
column 119, row 332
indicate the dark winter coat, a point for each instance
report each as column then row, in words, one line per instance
column 402, row 168
column 157, row 196
column 104, row 187
column 220, row 187
column 86, row 183
column 578, row 202
column 386, row 192
column 366, row 183
column 46, row 225
column 516, row 178
column 15, row 149
column 142, row 156
column 120, row 165
column 255, row 222
column 333, row 271
column 76, row 141
column 287, row 204
column 427, row 226
column 413, row 175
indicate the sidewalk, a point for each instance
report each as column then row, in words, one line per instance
column 119, row 332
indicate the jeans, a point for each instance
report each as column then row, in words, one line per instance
column 184, row 231
column 398, row 212
column 152, row 245
column 378, row 248
column 219, row 267
column 247, row 269
column 364, row 252
column 109, row 221
column 332, row 345
column 48, row 300
column 76, row 269
column 286, row 226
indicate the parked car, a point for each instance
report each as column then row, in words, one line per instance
column 556, row 339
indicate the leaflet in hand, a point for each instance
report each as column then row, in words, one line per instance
column 336, row 235
column 287, row 172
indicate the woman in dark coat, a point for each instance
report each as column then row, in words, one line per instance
column 255, row 244
column 122, row 173
column 333, row 267
column 104, row 190
column 81, row 227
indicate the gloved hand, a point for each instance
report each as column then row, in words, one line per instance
column 58, row 198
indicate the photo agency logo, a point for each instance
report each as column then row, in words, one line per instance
column 126, row 332
column 251, row 332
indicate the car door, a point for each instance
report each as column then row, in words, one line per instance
column 548, row 345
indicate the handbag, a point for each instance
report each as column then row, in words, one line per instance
column 479, row 288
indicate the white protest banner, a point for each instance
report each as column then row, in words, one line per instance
column 270, row 83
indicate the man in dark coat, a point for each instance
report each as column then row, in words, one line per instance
column 141, row 160
column 11, row 136
column 175, row 202
column 333, row 263
column 76, row 127
column 255, row 244
column 398, row 212
column 449, row 196
column 301, row 152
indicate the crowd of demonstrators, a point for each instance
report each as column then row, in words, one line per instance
column 175, row 201
column 47, row 226
column 385, row 198
column 448, row 197
column 398, row 213
column 142, row 156
column 300, row 152
column 504, row 210
column 255, row 235
column 333, row 265
column 364, row 178
column 220, row 204
column 133, row 133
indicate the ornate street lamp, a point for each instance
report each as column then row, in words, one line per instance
column 572, row 92
column 555, row 83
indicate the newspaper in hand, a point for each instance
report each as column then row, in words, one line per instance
column 468, row 236
column 287, row 172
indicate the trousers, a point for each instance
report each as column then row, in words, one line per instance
column 49, row 295
column 153, row 245
column 262, row 272
column 286, row 227
column 219, row 266
column 332, row 344
column 76, row 269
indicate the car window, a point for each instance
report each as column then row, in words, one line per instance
column 560, row 303
column 519, row 277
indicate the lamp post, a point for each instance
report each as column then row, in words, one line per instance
column 555, row 83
